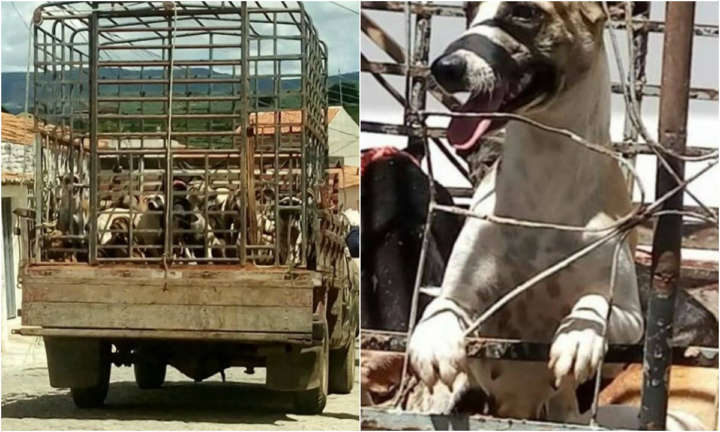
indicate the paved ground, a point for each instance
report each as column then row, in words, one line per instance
column 29, row 403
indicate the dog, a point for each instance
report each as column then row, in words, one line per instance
column 691, row 393
column 546, row 61
column 394, row 197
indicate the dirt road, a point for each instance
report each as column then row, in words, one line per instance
column 29, row 403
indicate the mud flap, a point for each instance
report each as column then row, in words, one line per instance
column 296, row 370
column 75, row 362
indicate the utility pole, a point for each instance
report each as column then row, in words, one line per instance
column 340, row 81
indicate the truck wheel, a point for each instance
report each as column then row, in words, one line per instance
column 94, row 397
column 149, row 374
column 313, row 401
column 342, row 369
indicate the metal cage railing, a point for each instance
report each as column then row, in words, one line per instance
column 412, row 62
column 177, row 132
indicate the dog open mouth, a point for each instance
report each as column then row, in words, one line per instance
column 506, row 97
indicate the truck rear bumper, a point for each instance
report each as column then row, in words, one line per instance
column 186, row 335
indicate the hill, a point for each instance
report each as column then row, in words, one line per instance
column 344, row 87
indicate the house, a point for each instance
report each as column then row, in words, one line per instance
column 17, row 177
column 343, row 136
column 343, row 142
column 348, row 186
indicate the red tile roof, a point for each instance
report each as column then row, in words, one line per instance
column 291, row 120
column 17, row 130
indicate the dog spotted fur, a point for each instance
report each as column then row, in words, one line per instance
column 547, row 61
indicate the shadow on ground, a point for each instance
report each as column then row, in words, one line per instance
column 175, row 401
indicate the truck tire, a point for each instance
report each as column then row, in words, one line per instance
column 94, row 397
column 310, row 401
column 342, row 369
column 313, row 401
column 149, row 373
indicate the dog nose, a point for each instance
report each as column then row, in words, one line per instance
column 449, row 72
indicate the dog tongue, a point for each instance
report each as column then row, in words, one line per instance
column 463, row 132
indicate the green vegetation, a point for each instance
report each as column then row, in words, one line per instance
column 342, row 90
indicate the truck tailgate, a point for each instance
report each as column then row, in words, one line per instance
column 218, row 298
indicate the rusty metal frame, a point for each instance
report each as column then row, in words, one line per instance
column 251, row 124
column 667, row 242
column 670, row 187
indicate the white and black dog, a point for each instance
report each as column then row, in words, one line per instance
column 546, row 61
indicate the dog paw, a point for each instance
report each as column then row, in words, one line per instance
column 437, row 349
column 576, row 350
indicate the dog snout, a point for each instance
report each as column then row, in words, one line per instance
column 449, row 71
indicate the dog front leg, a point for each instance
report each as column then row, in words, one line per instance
column 437, row 346
column 578, row 345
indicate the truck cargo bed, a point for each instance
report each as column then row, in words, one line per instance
column 190, row 298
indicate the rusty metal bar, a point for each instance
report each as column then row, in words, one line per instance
column 441, row 145
column 509, row 349
column 636, row 75
column 382, row 39
column 245, row 113
column 705, row 30
column 94, row 161
column 417, row 93
column 169, row 235
column 379, row 419
column 627, row 148
column 667, row 241
column 651, row 90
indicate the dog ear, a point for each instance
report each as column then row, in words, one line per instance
column 616, row 9
column 593, row 12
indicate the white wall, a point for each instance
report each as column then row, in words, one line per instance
column 18, row 195
column 17, row 158
column 343, row 138
column 350, row 197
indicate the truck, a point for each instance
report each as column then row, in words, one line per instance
column 181, row 212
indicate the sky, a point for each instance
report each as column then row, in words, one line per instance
column 331, row 19
column 377, row 105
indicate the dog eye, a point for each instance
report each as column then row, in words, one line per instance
column 525, row 12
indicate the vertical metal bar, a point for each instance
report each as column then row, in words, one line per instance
column 206, row 233
column 667, row 241
column 418, row 85
column 93, row 49
column 210, row 91
column 27, row 71
column 57, row 86
column 37, row 192
column 131, row 208
column 168, row 253
column 278, row 132
column 638, row 62
column 420, row 148
column 38, row 183
column 305, row 130
column 245, row 43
